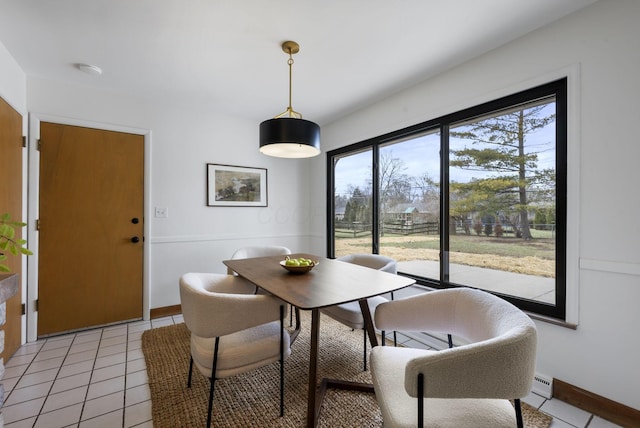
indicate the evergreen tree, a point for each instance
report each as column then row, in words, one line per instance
column 358, row 207
column 499, row 145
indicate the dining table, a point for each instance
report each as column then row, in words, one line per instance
column 330, row 282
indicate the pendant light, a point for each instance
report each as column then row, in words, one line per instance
column 288, row 135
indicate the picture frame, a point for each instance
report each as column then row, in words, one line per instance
column 236, row 186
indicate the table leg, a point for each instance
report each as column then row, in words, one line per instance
column 368, row 322
column 316, row 392
column 312, row 407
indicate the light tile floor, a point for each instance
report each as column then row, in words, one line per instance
column 98, row 378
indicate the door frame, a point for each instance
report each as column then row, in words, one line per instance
column 33, row 210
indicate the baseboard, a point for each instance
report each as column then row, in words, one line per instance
column 603, row 407
column 165, row 311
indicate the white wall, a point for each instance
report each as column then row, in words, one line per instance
column 598, row 48
column 13, row 82
column 184, row 138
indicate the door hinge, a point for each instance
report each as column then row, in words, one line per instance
column 39, row 144
column 23, row 310
column 38, row 224
column 24, row 141
column 36, row 305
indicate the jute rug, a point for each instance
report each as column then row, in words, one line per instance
column 251, row 399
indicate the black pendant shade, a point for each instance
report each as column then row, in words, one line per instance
column 289, row 137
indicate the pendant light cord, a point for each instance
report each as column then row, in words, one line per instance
column 290, row 112
column 290, row 62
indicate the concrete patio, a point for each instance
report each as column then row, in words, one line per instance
column 525, row 286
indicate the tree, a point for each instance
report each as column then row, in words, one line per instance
column 358, row 207
column 428, row 189
column 499, row 231
column 395, row 185
column 500, row 145
column 340, row 203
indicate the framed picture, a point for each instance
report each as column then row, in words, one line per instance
column 236, row 186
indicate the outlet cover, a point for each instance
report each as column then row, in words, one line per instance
column 162, row 212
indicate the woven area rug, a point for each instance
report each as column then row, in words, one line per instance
column 251, row 399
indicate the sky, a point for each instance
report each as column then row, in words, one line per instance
column 421, row 154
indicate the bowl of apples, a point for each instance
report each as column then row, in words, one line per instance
column 298, row 265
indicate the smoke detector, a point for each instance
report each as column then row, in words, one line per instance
column 93, row 70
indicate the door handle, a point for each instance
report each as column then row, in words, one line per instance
column 135, row 239
column 135, row 220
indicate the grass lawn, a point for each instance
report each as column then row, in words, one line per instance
column 534, row 257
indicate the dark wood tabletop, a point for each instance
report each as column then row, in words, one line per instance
column 329, row 283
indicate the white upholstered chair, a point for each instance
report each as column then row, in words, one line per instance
column 259, row 251
column 265, row 251
column 465, row 386
column 350, row 314
column 232, row 329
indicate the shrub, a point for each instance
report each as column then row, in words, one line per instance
column 488, row 229
column 477, row 227
column 498, row 230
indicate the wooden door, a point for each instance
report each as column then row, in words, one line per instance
column 11, row 202
column 91, row 226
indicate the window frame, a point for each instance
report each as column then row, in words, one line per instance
column 557, row 88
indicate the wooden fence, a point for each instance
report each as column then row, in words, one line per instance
column 358, row 229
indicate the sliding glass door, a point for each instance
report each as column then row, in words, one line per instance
column 352, row 203
column 476, row 198
column 409, row 189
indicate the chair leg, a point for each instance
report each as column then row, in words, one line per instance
column 214, row 367
column 190, row 372
column 420, row 400
column 290, row 315
column 281, row 361
column 365, row 349
column 384, row 338
column 297, row 318
column 519, row 419
column 395, row 336
column 210, row 410
column 296, row 330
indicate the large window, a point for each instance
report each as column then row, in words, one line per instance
column 476, row 198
